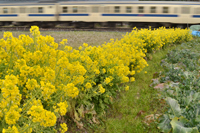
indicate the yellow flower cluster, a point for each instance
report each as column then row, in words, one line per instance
column 63, row 128
column 47, row 89
column 12, row 129
column 31, row 84
column 88, row 85
column 101, row 89
column 62, row 108
column 35, row 31
column 71, row 90
column 42, row 116
column 107, row 80
column 126, row 88
column 39, row 78
column 158, row 38
column 12, row 116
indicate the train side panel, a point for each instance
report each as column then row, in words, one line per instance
column 195, row 15
column 135, row 13
column 7, row 13
column 74, row 13
column 26, row 13
column 164, row 13
column 148, row 12
column 42, row 12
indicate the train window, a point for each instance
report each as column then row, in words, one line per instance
column 13, row 10
column 5, row 10
column 27, row 10
column 75, row 9
column 95, row 9
column 153, row 9
column 22, row 10
column 140, row 9
column 40, row 9
column 128, row 9
column 33, row 10
column 64, row 9
column 165, row 9
column 117, row 9
column 197, row 11
column 185, row 10
column 175, row 10
column 82, row 9
column 106, row 9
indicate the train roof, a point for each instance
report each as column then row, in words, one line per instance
column 129, row 1
column 99, row 1
column 30, row 1
column 54, row 1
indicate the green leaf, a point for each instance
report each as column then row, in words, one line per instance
column 76, row 116
column 191, row 97
column 197, row 118
column 196, row 95
column 178, row 126
column 81, row 111
column 188, row 100
column 174, row 106
column 164, row 124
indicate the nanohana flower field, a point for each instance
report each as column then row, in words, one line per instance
column 42, row 81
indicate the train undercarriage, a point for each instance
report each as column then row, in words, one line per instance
column 80, row 24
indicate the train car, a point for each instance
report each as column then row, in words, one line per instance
column 48, row 13
column 42, row 14
column 136, row 13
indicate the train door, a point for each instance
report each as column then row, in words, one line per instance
column 185, row 14
column 195, row 15
column 23, row 14
column 59, row 11
column 95, row 13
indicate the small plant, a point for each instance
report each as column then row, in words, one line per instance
column 182, row 94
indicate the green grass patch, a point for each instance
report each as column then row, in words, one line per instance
column 127, row 114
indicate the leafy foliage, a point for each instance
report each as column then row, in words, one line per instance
column 182, row 76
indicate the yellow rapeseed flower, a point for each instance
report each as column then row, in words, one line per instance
column 63, row 128
column 12, row 117
column 88, row 85
column 101, row 89
column 12, row 129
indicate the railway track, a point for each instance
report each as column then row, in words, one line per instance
column 67, row 29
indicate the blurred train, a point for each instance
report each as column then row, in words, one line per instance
column 81, row 14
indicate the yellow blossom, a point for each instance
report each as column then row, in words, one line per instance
column 126, row 88
column 63, row 128
column 88, row 85
column 12, row 129
column 107, row 80
column 12, row 117
column 31, row 84
column 71, row 90
column 101, row 89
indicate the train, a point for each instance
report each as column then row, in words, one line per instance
column 80, row 14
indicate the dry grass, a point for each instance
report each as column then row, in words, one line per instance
column 77, row 38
